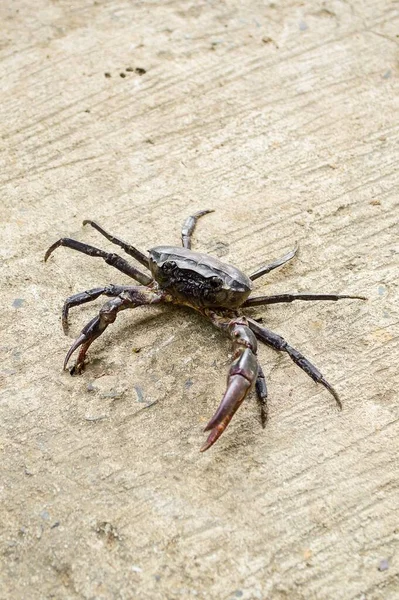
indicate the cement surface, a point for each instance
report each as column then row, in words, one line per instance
column 283, row 118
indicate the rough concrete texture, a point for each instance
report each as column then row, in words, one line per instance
column 283, row 117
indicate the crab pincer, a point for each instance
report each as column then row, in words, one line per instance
column 240, row 379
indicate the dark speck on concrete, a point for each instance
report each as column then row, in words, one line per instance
column 18, row 302
column 140, row 71
column 381, row 290
column 139, row 393
column 107, row 75
column 384, row 565
column 188, row 384
column 107, row 531
column 268, row 40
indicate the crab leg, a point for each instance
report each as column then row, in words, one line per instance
column 189, row 226
column 261, row 393
column 279, row 343
column 259, row 300
column 88, row 296
column 240, row 379
column 129, row 298
column 110, row 258
column 279, row 262
column 128, row 248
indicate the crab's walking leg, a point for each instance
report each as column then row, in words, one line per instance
column 89, row 296
column 258, row 300
column 127, row 299
column 261, row 393
column 189, row 225
column 240, row 379
column 277, row 263
column 111, row 259
column 278, row 343
column 128, row 248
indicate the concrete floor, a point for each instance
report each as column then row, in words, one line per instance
column 283, row 118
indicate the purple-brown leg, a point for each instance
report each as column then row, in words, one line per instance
column 131, row 298
column 111, row 259
column 241, row 376
column 277, row 263
column 278, row 343
column 261, row 394
column 128, row 248
column 260, row 300
column 189, row 226
column 88, row 296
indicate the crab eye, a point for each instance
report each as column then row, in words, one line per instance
column 215, row 282
column 168, row 266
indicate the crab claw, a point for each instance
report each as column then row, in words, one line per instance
column 237, row 388
column 241, row 378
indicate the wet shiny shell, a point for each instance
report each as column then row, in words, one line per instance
column 192, row 276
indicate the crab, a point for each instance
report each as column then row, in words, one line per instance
column 215, row 289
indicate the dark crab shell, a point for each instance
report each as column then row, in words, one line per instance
column 189, row 266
